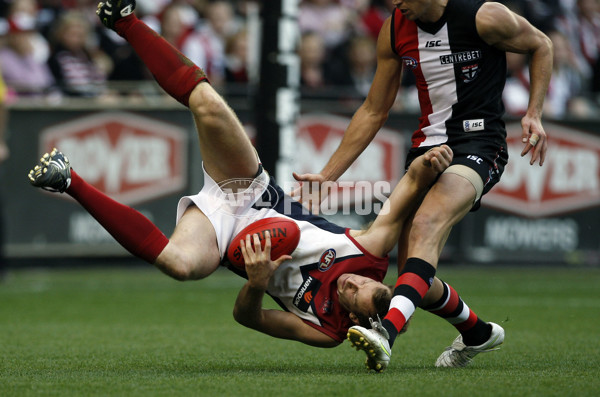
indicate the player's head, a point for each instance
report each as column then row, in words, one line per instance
column 363, row 297
column 415, row 9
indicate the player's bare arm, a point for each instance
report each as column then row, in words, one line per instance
column 248, row 309
column 505, row 30
column 369, row 117
column 383, row 234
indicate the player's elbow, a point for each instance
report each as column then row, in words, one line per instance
column 240, row 315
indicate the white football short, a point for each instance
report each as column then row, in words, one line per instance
column 228, row 212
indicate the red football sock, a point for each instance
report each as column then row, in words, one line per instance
column 130, row 228
column 411, row 286
column 175, row 73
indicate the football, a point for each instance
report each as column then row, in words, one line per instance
column 285, row 235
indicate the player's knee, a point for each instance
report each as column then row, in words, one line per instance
column 181, row 273
column 182, row 270
column 208, row 105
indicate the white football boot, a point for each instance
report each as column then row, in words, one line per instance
column 459, row 354
column 374, row 342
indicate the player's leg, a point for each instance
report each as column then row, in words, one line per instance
column 476, row 336
column 192, row 251
column 443, row 301
column 225, row 148
column 448, row 201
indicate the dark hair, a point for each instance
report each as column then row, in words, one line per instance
column 381, row 300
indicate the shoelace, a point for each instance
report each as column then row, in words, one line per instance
column 377, row 326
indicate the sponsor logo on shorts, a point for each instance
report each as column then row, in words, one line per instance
column 474, row 158
column 473, row 125
column 327, row 260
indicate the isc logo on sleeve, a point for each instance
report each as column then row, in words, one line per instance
column 473, row 125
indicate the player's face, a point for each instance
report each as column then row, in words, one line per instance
column 413, row 9
column 356, row 293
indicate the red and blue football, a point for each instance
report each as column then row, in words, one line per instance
column 285, row 235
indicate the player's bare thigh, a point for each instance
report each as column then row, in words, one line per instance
column 225, row 148
column 192, row 252
column 446, row 203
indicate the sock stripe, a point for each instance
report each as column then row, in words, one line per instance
column 411, row 286
column 454, row 310
column 394, row 317
column 451, row 305
column 409, row 292
column 405, row 305
column 415, row 281
column 459, row 316
column 441, row 303
column 466, row 325
column 460, row 308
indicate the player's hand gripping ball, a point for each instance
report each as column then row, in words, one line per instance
column 285, row 235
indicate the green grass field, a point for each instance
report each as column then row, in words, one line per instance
column 131, row 331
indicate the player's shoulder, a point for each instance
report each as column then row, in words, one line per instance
column 495, row 19
column 492, row 12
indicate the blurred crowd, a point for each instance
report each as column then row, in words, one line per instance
column 53, row 49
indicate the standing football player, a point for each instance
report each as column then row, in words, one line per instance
column 457, row 52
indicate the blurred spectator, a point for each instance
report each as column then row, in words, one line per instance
column 127, row 66
column 566, row 91
column 516, row 89
column 78, row 69
column 565, row 97
column 25, row 13
column 4, row 153
column 177, row 26
column 219, row 24
column 581, row 25
column 236, row 58
column 329, row 19
column 357, row 68
column 21, row 68
column 312, row 54
column 374, row 16
column 589, row 39
column 540, row 13
column 151, row 7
